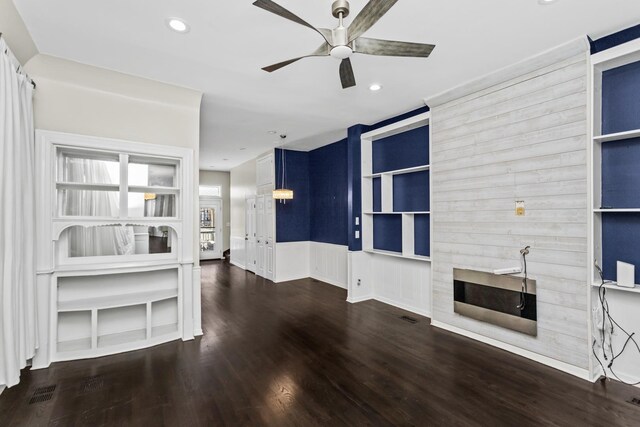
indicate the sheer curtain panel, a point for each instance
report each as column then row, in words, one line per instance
column 18, row 334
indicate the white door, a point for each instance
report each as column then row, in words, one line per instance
column 260, row 236
column 250, row 234
column 210, row 228
column 270, row 238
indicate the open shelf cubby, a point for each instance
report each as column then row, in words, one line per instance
column 111, row 312
column 616, row 162
column 396, row 190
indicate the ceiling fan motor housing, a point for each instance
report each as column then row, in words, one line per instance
column 340, row 7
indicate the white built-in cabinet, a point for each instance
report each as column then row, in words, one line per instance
column 115, row 227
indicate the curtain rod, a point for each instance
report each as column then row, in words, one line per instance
column 7, row 51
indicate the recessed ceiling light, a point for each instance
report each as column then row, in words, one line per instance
column 178, row 25
column 242, row 149
column 375, row 87
column 225, row 159
column 273, row 132
column 546, row 2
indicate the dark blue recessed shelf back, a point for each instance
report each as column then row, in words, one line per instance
column 411, row 192
column 421, row 236
column 377, row 194
column 404, row 150
column 387, row 232
column 620, row 242
column 621, row 99
column 621, row 174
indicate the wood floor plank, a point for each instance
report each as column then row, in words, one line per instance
column 297, row 354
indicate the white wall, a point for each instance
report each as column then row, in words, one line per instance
column 223, row 180
column 242, row 185
column 517, row 134
column 328, row 263
column 15, row 32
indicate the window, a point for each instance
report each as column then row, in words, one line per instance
column 111, row 185
column 210, row 190
column 111, row 204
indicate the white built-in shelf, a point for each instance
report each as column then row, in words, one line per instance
column 74, row 345
column 614, row 286
column 398, row 213
column 398, row 255
column 122, row 338
column 154, row 190
column 85, row 186
column 120, row 300
column 399, row 171
column 624, row 210
column 113, row 268
column 158, row 331
column 619, row 136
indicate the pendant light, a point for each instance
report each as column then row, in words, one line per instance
column 283, row 193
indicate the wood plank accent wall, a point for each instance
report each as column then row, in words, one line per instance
column 523, row 137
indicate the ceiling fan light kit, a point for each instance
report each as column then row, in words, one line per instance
column 342, row 42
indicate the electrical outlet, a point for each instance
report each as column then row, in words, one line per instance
column 357, row 220
column 357, row 234
column 520, row 208
column 359, row 282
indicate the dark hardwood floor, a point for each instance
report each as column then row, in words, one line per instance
column 298, row 354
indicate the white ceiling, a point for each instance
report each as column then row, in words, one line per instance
column 231, row 40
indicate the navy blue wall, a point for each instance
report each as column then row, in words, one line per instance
column 620, row 242
column 421, row 233
column 329, row 194
column 387, row 232
column 615, row 39
column 401, row 151
column 621, row 99
column 620, row 174
column 292, row 217
column 327, row 190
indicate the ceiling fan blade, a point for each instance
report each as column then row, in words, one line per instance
column 391, row 48
column 346, row 74
column 323, row 50
column 275, row 8
column 369, row 15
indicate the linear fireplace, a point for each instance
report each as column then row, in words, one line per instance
column 496, row 299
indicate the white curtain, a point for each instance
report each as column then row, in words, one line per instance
column 18, row 333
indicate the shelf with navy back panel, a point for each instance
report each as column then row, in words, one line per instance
column 396, row 190
column 616, row 161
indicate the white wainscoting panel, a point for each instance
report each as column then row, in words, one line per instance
column 523, row 137
column 328, row 263
column 395, row 281
column 238, row 252
column 292, row 261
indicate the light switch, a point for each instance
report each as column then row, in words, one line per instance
column 357, row 220
column 357, row 234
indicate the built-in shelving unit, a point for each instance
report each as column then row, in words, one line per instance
column 616, row 160
column 614, row 286
column 396, row 191
column 115, row 263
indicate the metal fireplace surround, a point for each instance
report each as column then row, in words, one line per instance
column 495, row 299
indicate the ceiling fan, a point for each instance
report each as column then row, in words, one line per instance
column 341, row 42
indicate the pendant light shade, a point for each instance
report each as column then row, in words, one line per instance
column 282, row 193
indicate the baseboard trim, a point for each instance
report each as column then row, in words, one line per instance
column 329, row 281
column 359, row 299
column 232, row 262
column 405, row 307
column 198, row 333
column 553, row 363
